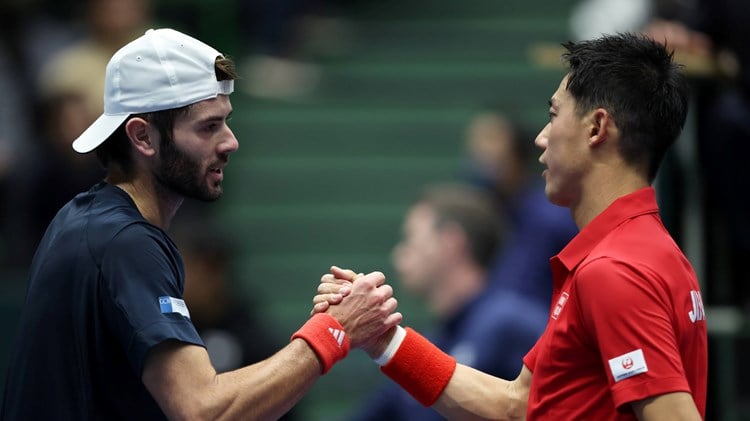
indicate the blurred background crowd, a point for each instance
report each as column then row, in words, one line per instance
column 389, row 135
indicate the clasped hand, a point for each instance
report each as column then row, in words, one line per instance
column 366, row 308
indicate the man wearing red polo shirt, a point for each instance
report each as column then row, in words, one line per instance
column 626, row 337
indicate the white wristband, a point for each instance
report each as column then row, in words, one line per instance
column 392, row 347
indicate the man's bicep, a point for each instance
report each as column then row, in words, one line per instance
column 174, row 372
column 523, row 382
column 677, row 406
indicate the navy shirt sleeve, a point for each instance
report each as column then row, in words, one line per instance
column 140, row 266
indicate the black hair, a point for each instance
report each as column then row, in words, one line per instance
column 634, row 78
column 116, row 149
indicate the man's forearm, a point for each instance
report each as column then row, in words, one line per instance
column 183, row 382
column 270, row 388
column 474, row 395
column 458, row 392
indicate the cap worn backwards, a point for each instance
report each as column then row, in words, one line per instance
column 161, row 70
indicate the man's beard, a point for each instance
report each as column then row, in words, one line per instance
column 180, row 173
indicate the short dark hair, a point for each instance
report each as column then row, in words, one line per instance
column 116, row 149
column 636, row 79
column 472, row 210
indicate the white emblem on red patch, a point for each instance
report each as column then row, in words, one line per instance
column 560, row 304
column 628, row 365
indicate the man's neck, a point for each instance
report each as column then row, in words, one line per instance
column 157, row 205
column 603, row 189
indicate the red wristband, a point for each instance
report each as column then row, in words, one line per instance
column 326, row 337
column 421, row 368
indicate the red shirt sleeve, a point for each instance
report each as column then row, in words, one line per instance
column 629, row 315
column 529, row 360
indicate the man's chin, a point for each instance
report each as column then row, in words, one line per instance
column 213, row 197
column 208, row 195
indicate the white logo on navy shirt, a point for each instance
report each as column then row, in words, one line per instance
column 169, row 304
column 697, row 313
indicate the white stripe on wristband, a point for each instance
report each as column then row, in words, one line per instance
column 392, row 347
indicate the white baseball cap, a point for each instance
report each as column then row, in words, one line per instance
column 161, row 70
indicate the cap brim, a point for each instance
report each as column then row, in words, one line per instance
column 98, row 132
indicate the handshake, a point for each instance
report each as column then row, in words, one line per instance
column 359, row 311
column 359, row 314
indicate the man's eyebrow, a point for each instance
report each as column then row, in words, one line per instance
column 218, row 117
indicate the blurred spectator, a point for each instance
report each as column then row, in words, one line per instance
column 450, row 234
column 58, row 173
column 69, row 97
column 33, row 30
column 280, row 35
column 227, row 322
column 14, row 124
column 275, row 67
column 13, row 105
column 502, row 159
column 79, row 68
column 592, row 18
column 9, row 141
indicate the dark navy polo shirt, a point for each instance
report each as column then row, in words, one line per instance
column 105, row 287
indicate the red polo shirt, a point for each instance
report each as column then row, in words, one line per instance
column 626, row 321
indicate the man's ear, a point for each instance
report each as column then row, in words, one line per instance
column 601, row 126
column 142, row 135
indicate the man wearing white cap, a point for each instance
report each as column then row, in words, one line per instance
column 104, row 332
